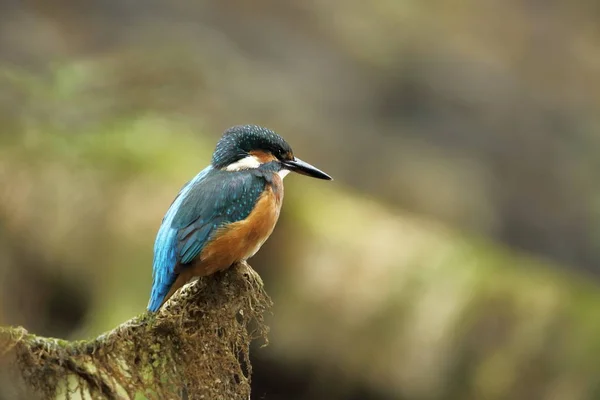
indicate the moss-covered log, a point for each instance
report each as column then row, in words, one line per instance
column 195, row 347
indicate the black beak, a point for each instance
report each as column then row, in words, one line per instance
column 304, row 168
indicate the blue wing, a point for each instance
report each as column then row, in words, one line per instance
column 212, row 199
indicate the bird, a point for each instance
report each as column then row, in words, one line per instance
column 226, row 212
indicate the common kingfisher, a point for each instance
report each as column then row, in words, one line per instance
column 227, row 211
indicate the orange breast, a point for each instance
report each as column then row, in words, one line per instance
column 241, row 240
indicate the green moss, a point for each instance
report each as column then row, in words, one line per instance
column 198, row 342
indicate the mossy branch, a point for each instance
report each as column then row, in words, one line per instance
column 195, row 347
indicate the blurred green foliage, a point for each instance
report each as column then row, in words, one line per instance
column 455, row 254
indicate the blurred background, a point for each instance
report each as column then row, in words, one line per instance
column 455, row 256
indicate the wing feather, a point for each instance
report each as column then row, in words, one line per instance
column 212, row 199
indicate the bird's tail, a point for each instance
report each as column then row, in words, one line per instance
column 161, row 293
column 157, row 297
column 160, row 290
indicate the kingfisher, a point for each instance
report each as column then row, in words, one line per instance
column 226, row 212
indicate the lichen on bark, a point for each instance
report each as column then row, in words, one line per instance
column 195, row 347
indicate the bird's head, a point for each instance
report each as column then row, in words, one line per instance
column 250, row 146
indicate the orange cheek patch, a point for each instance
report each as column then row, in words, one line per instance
column 263, row 156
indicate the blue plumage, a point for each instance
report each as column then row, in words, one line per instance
column 165, row 246
column 247, row 159
column 212, row 199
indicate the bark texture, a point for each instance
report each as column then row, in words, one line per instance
column 195, row 347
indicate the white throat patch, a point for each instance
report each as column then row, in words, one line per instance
column 248, row 162
column 283, row 173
